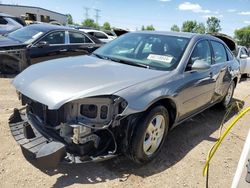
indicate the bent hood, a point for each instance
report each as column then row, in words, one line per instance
column 56, row 82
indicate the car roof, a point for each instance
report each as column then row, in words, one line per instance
column 49, row 27
column 177, row 34
column 91, row 30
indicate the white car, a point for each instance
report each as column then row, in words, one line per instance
column 9, row 23
column 102, row 36
column 244, row 59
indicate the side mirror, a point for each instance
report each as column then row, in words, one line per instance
column 42, row 44
column 200, row 65
column 243, row 56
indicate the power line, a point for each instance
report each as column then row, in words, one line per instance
column 86, row 12
column 97, row 15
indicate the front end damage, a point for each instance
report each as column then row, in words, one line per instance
column 89, row 129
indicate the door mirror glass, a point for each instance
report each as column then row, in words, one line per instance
column 42, row 44
column 200, row 65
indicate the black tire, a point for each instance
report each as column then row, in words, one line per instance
column 225, row 103
column 136, row 151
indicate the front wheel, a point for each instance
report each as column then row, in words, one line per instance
column 149, row 135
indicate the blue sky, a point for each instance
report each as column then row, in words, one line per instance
column 132, row 14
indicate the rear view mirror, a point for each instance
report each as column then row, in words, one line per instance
column 42, row 44
column 243, row 56
column 200, row 65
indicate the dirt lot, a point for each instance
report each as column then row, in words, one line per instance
column 180, row 163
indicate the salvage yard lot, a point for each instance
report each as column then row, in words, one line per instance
column 180, row 163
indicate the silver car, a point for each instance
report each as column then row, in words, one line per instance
column 244, row 59
column 122, row 99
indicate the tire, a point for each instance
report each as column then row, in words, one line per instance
column 225, row 103
column 151, row 130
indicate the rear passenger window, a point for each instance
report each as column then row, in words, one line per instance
column 78, row 38
column 220, row 55
column 229, row 55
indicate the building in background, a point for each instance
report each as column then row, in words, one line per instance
column 34, row 14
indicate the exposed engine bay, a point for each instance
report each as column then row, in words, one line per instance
column 88, row 126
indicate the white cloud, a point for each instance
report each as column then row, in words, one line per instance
column 246, row 22
column 231, row 10
column 187, row 6
column 208, row 16
column 244, row 13
column 164, row 0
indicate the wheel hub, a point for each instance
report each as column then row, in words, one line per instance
column 154, row 134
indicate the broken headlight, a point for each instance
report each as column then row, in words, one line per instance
column 95, row 110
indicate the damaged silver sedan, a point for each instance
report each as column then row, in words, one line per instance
column 122, row 99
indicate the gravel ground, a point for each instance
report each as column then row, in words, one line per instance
column 180, row 163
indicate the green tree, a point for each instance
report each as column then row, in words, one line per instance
column 106, row 26
column 90, row 23
column 200, row 28
column 150, row 28
column 142, row 28
column 175, row 28
column 242, row 36
column 69, row 19
column 189, row 26
column 213, row 25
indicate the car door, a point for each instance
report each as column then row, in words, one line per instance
column 80, row 44
column 197, row 88
column 51, row 46
column 221, row 68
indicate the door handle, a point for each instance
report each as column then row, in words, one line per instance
column 63, row 50
column 90, row 47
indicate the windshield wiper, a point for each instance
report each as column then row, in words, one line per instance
column 121, row 61
column 128, row 62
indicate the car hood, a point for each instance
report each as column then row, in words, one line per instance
column 5, row 41
column 56, row 82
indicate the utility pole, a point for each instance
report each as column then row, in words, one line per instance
column 97, row 15
column 86, row 12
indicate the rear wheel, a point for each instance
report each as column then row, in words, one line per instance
column 149, row 135
column 228, row 98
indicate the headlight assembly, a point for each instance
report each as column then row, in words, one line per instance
column 96, row 110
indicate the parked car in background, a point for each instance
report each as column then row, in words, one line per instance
column 124, row 98
column 9, row 23
column 110, row 33
column 45, row 41
column 102, row 36
column 244, row 59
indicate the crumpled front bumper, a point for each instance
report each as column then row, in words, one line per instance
column 43, row 146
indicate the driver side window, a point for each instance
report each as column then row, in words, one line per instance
column 55, row 38
column 201, row 52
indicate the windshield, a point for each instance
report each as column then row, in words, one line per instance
column 25, row 35
column 161, row 52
